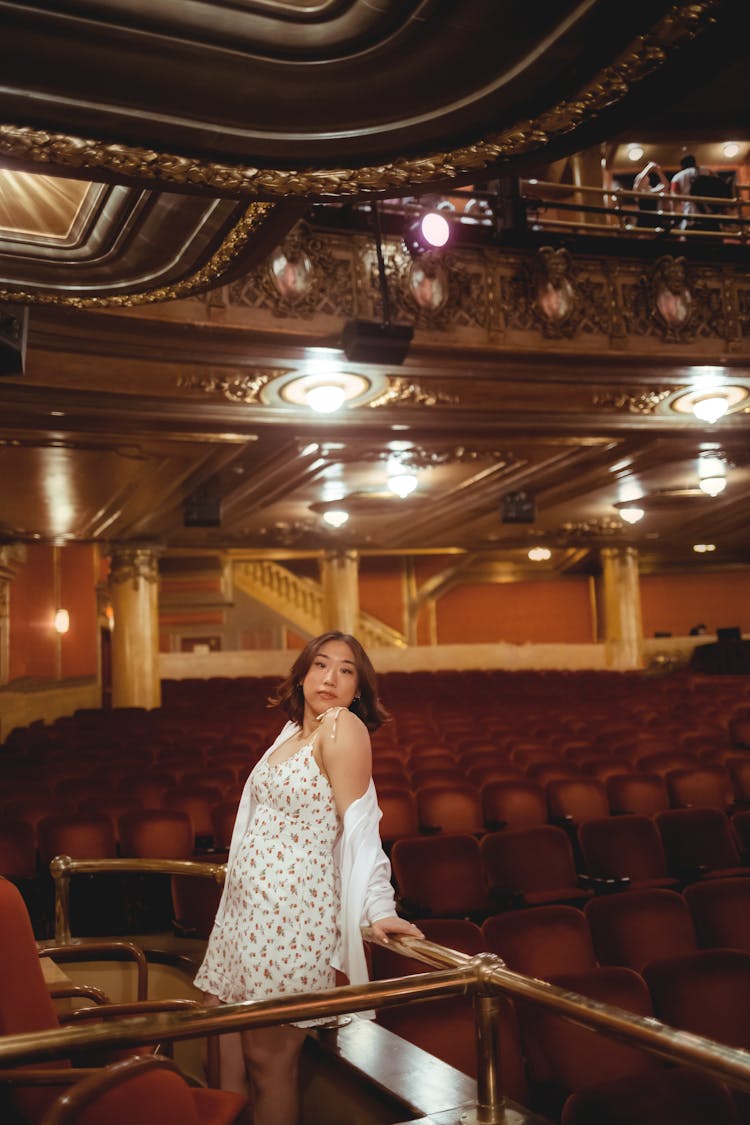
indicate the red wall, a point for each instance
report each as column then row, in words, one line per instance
column 555, row 612
column 673, row 603
column 381, row 590
column 33, row 640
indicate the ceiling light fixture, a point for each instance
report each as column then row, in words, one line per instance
column 710, row 408
column 631, row 514
column 635, row 152
column 703, row 548
column 325, row 398
column 403, row 484
column 713, row 486
column 540, row 554
column 731, row 149
column 336, row 517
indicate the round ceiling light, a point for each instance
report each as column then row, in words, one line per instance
column 710, row 408
column 325, row 398
column 731, row 149
column 335, row 517
column 403, row 484
column 635, row 152
column 631, row 514
column 709, row 403
column 540, row 554
column 713, row 486
column 703, row 548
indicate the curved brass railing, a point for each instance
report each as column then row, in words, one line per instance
column 62, row 867
column 484, row 977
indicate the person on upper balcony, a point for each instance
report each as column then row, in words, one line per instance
column 652, row 186
column 681, row 184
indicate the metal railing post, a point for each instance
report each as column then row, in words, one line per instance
column 60, row 871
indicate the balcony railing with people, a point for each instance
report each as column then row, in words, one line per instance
column 484, row 977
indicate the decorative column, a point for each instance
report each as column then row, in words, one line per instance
column 12, row 556
column 339, row 577
column 621, row 603
column 134, row 582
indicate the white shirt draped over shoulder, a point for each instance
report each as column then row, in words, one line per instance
column 363, row 867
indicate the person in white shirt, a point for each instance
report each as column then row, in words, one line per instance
column 681, row 184
column 305, row 869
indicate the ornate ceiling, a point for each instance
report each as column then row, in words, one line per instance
column 155, row 156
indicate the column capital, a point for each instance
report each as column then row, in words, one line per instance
column 12, row 558
column 131, row 562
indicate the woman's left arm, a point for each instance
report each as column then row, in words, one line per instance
column 346, row 754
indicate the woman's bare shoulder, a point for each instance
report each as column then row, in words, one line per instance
column 338, row 721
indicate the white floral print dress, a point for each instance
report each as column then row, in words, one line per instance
column 280, row 930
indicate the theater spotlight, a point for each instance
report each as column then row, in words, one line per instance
column 430, row 231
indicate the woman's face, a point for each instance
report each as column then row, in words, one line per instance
column 331, row 679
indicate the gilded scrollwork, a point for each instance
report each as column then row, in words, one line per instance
column 235, row 388
column 551, row 294
column 635, row 401
column 408, row 392
column 678, row 26
column 308, row 275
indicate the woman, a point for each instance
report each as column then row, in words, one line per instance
column 305, row 868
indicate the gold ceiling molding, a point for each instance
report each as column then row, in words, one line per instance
column 634, row 401
column 235, row 388
column 682, row 23
column 409, row 393
column 234, row 243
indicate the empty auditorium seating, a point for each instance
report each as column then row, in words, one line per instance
column 707, row 786
column 449, row 808
column 625, row 849
column 640, row 793
column 641, row 926
column 699, row 843
column 563, row 1058
column 515, row 803
column 721, row 912
column 440, row 876
column 541, row 941
column 574, row 800
column 672, row 1097
column 399, row 809
column 530, row 867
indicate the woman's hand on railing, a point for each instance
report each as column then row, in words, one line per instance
column 394, row 925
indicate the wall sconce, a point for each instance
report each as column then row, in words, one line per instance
column 62, row 621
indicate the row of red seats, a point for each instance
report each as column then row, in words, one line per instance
column 458, row 874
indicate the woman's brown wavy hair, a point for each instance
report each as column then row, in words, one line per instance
column 366, row 706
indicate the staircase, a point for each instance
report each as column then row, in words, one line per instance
column 300, row 602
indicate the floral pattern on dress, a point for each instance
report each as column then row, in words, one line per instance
column 280, row 930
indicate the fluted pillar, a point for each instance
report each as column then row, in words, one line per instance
column 134, row 584
column 621, row 603
column 339, row 577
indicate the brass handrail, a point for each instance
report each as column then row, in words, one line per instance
column 62, row 867
column 482, row 976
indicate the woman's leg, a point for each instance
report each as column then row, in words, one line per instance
column 232, row 1072
column 272, row 1057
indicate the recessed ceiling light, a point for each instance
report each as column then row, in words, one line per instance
column 403, row 484
column 731, row 149
column 540, row 554
column 712, row 486
column 711, row 408
column 635, row 152
column 325, row 398
column 703, row 548
column 336, row 517
column 632, row 514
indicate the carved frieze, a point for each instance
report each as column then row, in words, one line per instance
column 550, row 294
column 233, row 387
column 635, row 401
column 408, row 392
